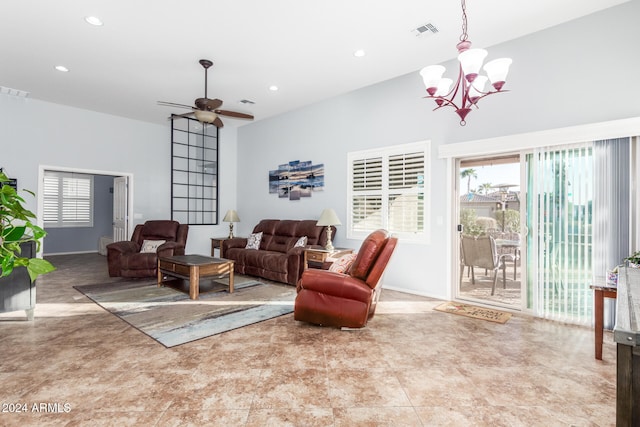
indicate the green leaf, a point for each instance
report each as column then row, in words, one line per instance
column 14, row 234
column 38, row 266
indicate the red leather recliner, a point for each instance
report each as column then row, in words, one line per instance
column 125, row 259
column 346, row 300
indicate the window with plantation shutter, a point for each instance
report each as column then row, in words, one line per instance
column 68, row 199
column 387, row 190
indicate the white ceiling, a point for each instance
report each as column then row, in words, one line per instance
column 148, row 51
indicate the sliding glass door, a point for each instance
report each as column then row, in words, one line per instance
column 491, row 239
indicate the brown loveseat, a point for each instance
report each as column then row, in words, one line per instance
column 125, row 259
column 277, row 259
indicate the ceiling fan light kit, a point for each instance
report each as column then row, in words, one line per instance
column 205, row 116
column 206, row 109
column 470, row 84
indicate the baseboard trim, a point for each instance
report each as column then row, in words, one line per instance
column 70, row 253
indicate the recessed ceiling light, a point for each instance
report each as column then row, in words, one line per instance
column 273, row 88
column 359, row 53
column 62, row 68
column 93, row 21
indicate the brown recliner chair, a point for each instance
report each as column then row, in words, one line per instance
column 126, row 260
column 346, row 300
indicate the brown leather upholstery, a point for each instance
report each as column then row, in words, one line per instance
column 277, row 259
column 346, row 300
column 124, row 258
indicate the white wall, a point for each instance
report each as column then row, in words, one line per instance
column 581, row 72
column 34, row 133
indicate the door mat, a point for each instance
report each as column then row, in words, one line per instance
column 474, row 312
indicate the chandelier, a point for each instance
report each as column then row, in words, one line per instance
column 470, row 84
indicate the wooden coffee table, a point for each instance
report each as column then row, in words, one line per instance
column 194, row 268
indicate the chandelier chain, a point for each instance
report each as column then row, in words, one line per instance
column 464, row 35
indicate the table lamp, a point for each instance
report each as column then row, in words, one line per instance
column 231, row 216
column 328, row 218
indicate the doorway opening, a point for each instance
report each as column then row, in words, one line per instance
column 106, row 196
column 490, row 231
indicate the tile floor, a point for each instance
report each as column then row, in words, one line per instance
column 411, row 366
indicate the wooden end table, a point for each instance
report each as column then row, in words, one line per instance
column 601, row 291
column 216, row 242
column 323, row 257
column 193, row 268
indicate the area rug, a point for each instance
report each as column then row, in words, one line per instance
column 168, row 315
column 474, row 312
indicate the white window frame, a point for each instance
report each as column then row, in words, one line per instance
column 62, row 220
column 385, row 153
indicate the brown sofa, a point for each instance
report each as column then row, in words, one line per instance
column 125, row 259
column 277, row 259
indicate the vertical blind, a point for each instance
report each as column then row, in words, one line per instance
column 68, row 199
column 611, row 211
column 611, row 204
column 561, row 244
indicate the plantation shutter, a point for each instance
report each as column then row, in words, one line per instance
column 68, row 200
column 406, row 192
column 51, row 199
column 367, row 194
column 387, row 190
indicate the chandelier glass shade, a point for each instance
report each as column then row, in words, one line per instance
column 470, row 85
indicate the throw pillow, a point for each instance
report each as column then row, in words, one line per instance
column 343, row 264
column 149, row 246
column 302, row 242
column 253, row 241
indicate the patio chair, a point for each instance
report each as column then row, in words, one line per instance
column 482, row 252
column 508, row 243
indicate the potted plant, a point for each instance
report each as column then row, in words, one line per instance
column 18, row 234
column 633, row 260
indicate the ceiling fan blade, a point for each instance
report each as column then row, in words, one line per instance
column 218, row 123
column 234, row 114
column 173, row 104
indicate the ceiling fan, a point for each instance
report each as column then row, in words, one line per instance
column 206, row 110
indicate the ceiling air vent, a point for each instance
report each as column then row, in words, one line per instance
column 246, row 101
column 13, row 92
column 425, row 30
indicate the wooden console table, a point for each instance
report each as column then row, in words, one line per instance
column 600, row 291
column 626, row 334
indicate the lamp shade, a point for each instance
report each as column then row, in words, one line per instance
column 205, row 116
column 231, row 216
column 329, row 217
column 497, row 71
column 471, row 61
column 476, row 89
column 444, row 87
column 431, row 76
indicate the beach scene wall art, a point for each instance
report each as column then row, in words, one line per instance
column 296, row 179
